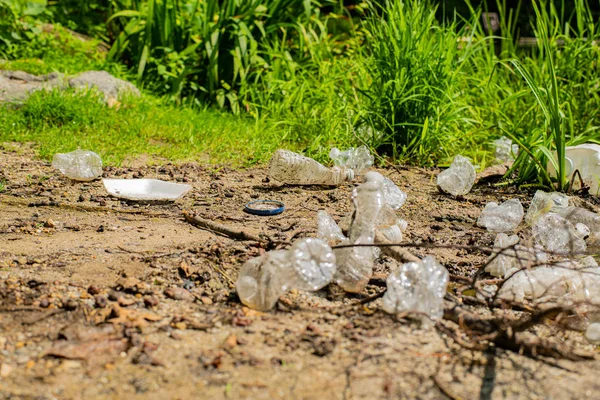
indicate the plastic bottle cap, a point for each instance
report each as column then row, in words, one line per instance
column 264, row 207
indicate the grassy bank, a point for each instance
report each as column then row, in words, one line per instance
column 229, row 86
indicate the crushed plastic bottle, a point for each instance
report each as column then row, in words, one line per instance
column 309, row 264
column 508, row 254
column 358, row 159
column 417, row 287
column 327, row 229
column 578, row 215
column 392, row 195
column 557, row 235
column 584, row 158
column 506, row 151
column 543, row 203
column 296, row 169
column 565, row 282
column 459, row 178
column 79, row 165
column 371, row 214
column 355, row 264
column 501, row 217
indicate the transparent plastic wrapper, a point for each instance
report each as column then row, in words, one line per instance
column 543, row 203
column 557, row 235
column 79, row 165
column 417, row 287
column 309, row 264
column 392, row 195
column 296, row 169
column 358, row 159
column 506, row 151
column 458, row 179
column 561, row 283
column 355, row 264
column 501, row 217
column 508, row 254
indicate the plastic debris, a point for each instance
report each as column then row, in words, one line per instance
column 296, row 169
column 508, row 254
column 565, row 282
column 309, row 264
column 392, row 195
column 459, row 178
column 486, row 292
column 543, row 203
column 145, row 189
column 327, row 229
column 417, row 287
column 358, row 159
column 79, row 165
column 578, row 215
column 557, row 235
column 501, row 217
column 506, row 151
column 584, row 158
column 355, row 264
column 592, row 333
column 264, row 207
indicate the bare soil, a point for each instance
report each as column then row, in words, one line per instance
column 101, row 298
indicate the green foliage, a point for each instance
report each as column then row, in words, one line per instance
column 18, row 24
column 544, row 98
column 416, row 67
column 204, row 49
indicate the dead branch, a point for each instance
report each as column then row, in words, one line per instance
column 509, row 335
column 397, row 253
column 232, row 232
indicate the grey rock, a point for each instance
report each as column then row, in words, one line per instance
column 105, row 83
column 16, row 86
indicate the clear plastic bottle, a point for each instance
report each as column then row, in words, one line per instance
column 355, row 265
column 296, row 169
column 309, row 264
column 358, row 159
column 79, row 165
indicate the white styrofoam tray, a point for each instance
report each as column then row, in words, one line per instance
column 145, row 189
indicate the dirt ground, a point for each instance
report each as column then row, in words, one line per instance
column 101, row 298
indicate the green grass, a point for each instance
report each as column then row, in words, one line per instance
column 61, row 122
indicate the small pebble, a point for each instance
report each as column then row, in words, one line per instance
column 93, row 290
column 206, row 300
column 151, row 301
column 101, row 301
column 177, row 293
